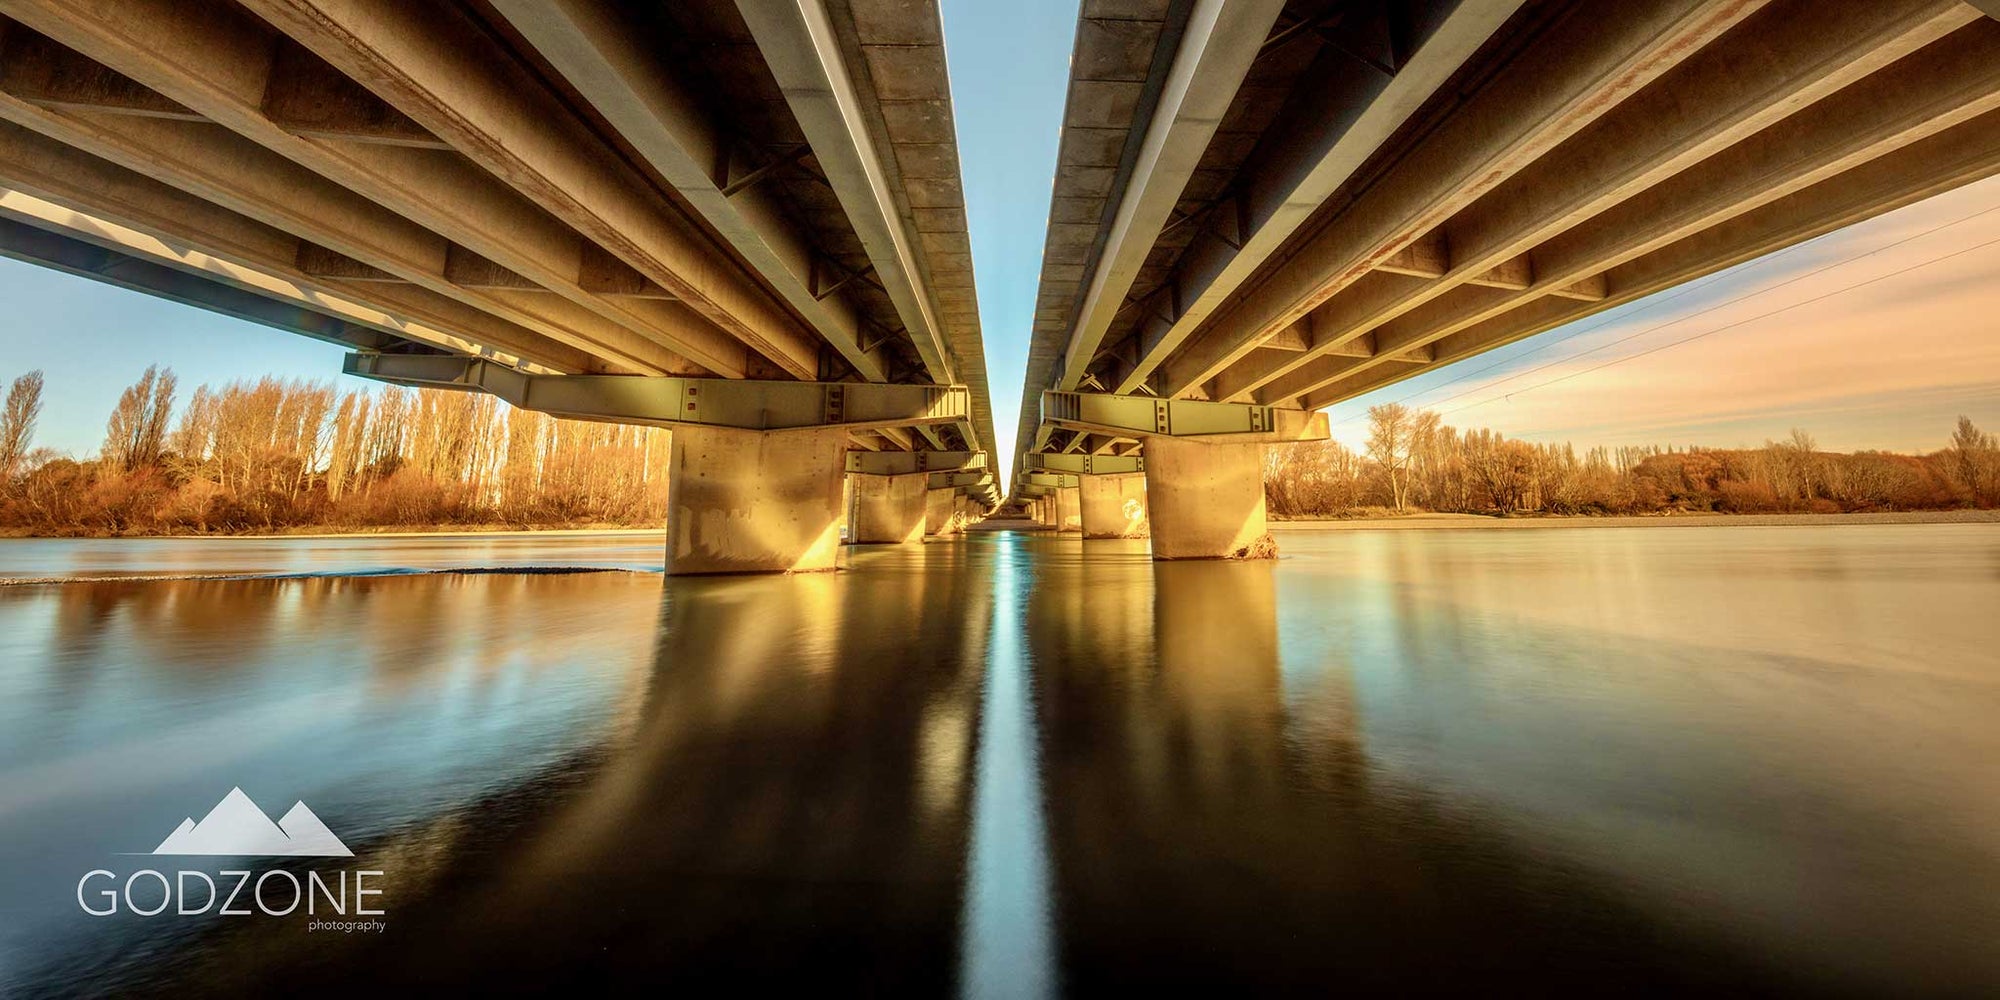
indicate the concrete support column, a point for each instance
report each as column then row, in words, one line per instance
column 1114, row 506
column 1069, row 512
column 888, row 509
column 741, row 501
column 1206, row 499
column 942, row 512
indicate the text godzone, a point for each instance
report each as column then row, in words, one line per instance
column 275, row 893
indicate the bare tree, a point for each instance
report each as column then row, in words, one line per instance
column 135, row 436
column 1973, row 457
column 1389, row 438
column 17, row 421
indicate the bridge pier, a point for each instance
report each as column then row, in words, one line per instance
column 1203, row 461
column 888, row 509
column 944, row 512
column 744, row 501
column 1114, row 506
column 1207, row 499
column 1068, row 509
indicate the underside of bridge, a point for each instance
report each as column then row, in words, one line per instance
column 1263, row 210
column 740, row 221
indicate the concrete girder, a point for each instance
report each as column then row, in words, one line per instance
column 1214, row 54
column 327, row 315
column 1586, row 63
column 180, row 229
column 1325, row 142
column 1788, row 55
column 307, row 96
column 890, row 463
column 668, row 401
column 1086, row 465
column 1956, row 157
column 602, row 59
column 902, row 439
column 35, row 69
column 431, row 62
column 218, row 61
column 215, row 165
column 61, row 252
column 1939, row 88
column 799, row 44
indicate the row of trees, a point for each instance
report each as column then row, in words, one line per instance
column 274, row 454
column 1414, row 461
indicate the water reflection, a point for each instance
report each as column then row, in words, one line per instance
column 1212, row 828
column 390, row 704
column 1030, row 764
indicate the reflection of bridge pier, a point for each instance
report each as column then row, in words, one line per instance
column 1215, row 819
column 784, row 807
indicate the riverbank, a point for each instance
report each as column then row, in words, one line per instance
column 1424, row 521
column 391, row 531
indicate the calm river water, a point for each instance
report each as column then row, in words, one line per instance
column 1767, row 758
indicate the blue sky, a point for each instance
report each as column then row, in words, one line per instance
column 1873, row 337
column 1009, row 67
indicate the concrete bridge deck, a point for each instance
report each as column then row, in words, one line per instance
column 750, row 212
column 1277, row 205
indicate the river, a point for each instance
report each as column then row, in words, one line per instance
column 1761, row 758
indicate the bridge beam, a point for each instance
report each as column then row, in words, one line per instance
column 805, row 56
column 1085, row 465
column 1699, row 113
column 667, row 401
column 605, row 60
column 903, row 463
column 1589, row 62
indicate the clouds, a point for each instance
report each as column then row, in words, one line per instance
column 1867, row 349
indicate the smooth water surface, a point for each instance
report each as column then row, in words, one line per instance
column 1019, row 765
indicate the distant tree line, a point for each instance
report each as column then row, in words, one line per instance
column 1415, row 462
column 274, row 454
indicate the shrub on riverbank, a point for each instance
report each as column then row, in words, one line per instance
column 273, row 455
column 1414, row 462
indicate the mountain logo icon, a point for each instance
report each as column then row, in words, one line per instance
column 238, row 828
